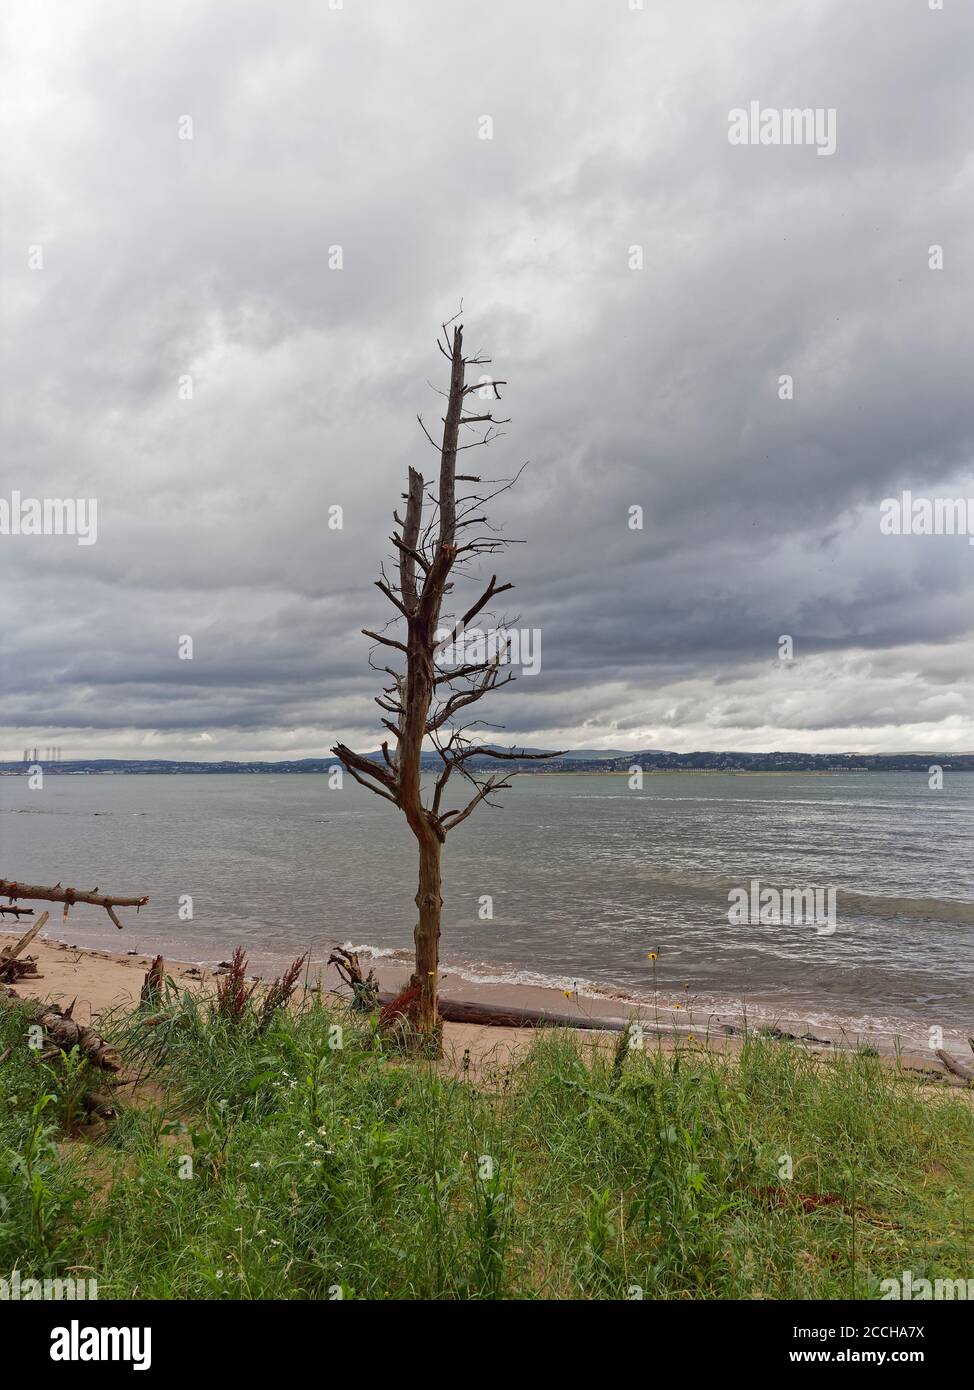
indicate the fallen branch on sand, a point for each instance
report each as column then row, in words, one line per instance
column 365, row 988
column 61, row 1028
column 10, row 888
column 10, row 967
column 506, row 1016
column 958, row 1068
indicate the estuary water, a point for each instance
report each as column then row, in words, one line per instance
column 574, row 882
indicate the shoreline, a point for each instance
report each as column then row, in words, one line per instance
column 668, row 1011
column 100, row 980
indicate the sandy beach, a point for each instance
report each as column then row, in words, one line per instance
column 98, row 981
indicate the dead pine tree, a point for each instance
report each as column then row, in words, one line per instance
column 438, row 539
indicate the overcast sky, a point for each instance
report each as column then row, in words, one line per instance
column 162, row 258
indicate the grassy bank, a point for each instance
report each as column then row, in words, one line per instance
column 321, row 1170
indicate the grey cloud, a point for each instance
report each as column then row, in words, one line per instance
column 655, row 387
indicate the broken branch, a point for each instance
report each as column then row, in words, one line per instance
column 10, row 888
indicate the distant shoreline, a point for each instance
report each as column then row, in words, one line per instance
column 720, row 772
column 776, row 764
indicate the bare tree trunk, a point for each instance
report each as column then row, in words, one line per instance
column 426, row 698
column 427, row 937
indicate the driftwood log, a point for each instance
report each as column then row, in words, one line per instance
column 12, row 889
column 98, row 1106
column 365, row 988
column 152, row 984
column 958, row 1068
column 64, row 1032
column 507, row 1016
column 11, row 968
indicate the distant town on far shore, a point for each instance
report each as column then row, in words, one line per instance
column 581, row 760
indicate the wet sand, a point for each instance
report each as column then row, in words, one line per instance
column 105, row 980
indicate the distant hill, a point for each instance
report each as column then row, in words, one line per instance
column 595, row 754
column 573, row 760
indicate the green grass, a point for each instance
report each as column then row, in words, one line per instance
column 321, row 1171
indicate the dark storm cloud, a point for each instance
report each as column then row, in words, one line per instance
column 657, row 387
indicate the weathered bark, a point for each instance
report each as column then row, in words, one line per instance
column 365, row 988
column 451, row 433
column 423, row 616
column 10, row 967
column 958, row 1068
column 10, row 952
column 61, row 1028
column 98, row 1106
column 504, row 1016
column 427, row 938
column 10, row 888
column 153, row 981
column 426, row 697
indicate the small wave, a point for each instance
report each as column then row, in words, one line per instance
column 378, row 952
column 858, row 902
column 934, row 909
column 671, row 1011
